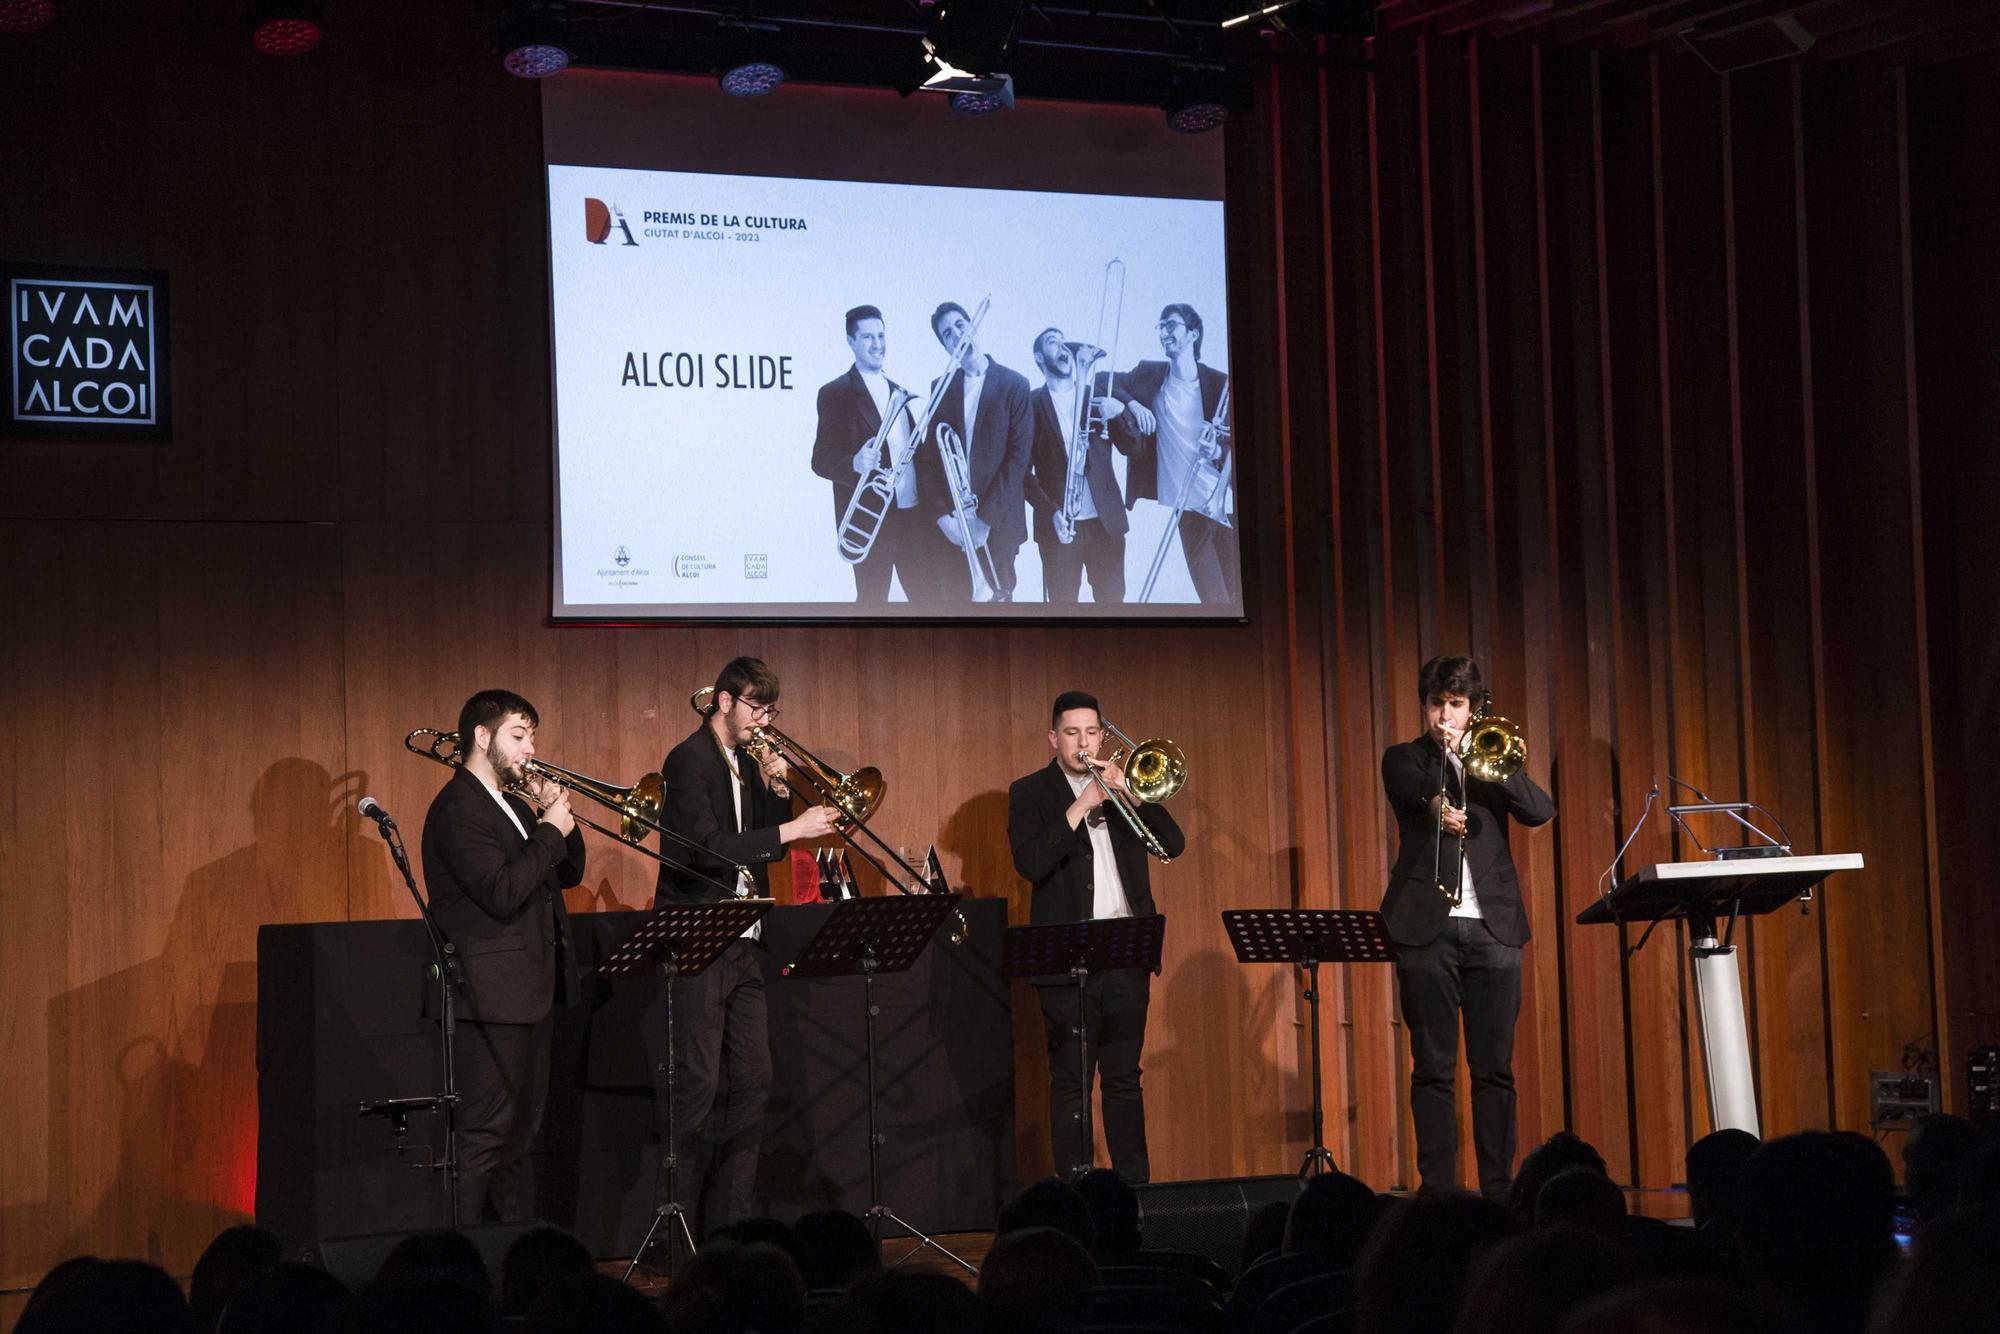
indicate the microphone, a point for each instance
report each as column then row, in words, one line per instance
column 372, row 808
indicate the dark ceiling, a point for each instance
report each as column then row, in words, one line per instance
column 1126, row 50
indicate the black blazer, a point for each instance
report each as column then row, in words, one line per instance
column 700, row 805
column 1142, row 385
column 498, row 898
column 1056, row 860
column 1049, row 471
column 1413, row 905
column 847, row 420
column 1002, row 435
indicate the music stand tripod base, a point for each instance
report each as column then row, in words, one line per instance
column 1307, row 938
column 678, row 940
column 871, row 936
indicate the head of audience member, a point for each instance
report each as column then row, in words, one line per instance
column 1330, row 1219
column 759, row 1232
column 1114, row 1212
column 1934, row 1156
column 287, row 1298
column 1678, row 1305
column 236, row 1256
column 422, row 1302
column 1413, row 1270
column 1036, row 1271
column 1583, row 1199
column 1527, row 1284
column 1050, row 1202
column 1264, row 1234
column 1714, row 1165
column 91, row 1296
column 596, row 1304
column 834, row 1248
column 1951, row 1284
column 1558, row 1153
column 1816, row 1226
column 1979, row 1182
column 432, row 1258
column 730, row 1286
column 904, row 1303
column 537, row 1266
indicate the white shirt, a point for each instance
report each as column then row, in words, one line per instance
column 1178, row 406
column 973, row 384
column 1107, row 894
column 512, row 818
column 877, row 385
column 1468, row 903
column 745, row 886
column 1063, row 395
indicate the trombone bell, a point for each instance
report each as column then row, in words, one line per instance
column 1493, row 749
column 1156, row 771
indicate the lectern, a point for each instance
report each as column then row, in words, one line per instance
column 1700, row 894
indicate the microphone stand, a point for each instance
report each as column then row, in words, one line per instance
column 445, row 966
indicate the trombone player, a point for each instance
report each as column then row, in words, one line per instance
column 1454, row 909
column 495, row 873
column 1062, row 408
column 851, row 441
column 986, row 404
column 1084, row 861
column 720, row 797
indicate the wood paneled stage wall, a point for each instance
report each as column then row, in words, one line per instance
column 1670, row 396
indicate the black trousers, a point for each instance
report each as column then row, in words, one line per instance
column 722, row 1080
column 872, row 575
column 934, row 570
column 1463, row 974
column 1114, row 1020
column 1095, row 549
column 1211, row 556
column 503, row 1082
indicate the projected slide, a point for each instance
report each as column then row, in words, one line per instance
column 819, row 398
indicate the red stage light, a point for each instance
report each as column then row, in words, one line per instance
column 26, row 15
column 286, row 37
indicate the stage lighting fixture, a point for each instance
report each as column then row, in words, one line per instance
column 534, row 41
column 286, row 27
column 750, row 62
column 26, row 15
column 982, row 104
column 1197, row 100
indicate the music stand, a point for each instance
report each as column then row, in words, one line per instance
column 678, row 940
column 870, row 936
column 1080, row 949
column 1307, row 938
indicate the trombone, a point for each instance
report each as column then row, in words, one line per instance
column 854, row 795
column 1492, row 749
column 1155, row 771
column 639, row 806
column 1088, row 419
column 1212, row 432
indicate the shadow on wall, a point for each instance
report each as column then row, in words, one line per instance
column 153, row 1085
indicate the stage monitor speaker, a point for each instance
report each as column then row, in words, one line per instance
column 1208, row 1217
column 356, row 1260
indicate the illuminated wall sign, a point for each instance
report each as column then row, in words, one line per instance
column 86, row 353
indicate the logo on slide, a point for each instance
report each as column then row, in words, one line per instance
column 598, row 220
column 623, row 557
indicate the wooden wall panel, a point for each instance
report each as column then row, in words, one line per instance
column 1591, row 364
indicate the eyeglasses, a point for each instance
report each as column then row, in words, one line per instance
column 759, row 710
column 1169, row 326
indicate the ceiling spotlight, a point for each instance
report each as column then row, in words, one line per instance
column 749, row 60
column 966, row 44
column 26, row 15
column 1197, row 99
column 286, row 27
column 534, row 40
column 985, row 103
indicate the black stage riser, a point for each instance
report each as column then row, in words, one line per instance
column 1208, row 1217
column 356, row 1260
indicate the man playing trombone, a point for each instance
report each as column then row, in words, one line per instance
column 1180, row 413
column 495, row 875
column 1062, row 408
column 851, row 441
column 719, row 798
column 986, row 405
column 1085, row 861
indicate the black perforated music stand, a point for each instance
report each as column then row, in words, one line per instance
column 1080, row 949
column 1307, row 938
column 870, row 936
column 679, row 940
